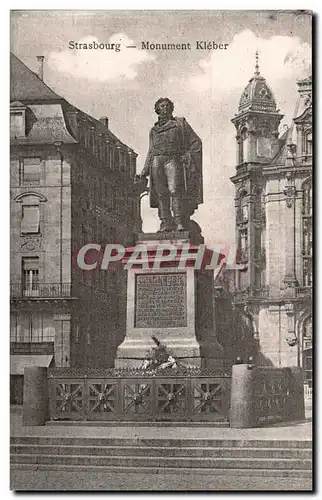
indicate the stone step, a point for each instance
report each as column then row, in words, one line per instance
column 164, row 442
column 231, row 472
column 219, row 421
column 162, row 451
column 185, row 462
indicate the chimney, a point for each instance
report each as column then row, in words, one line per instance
column 40, row 60
column 104, row 120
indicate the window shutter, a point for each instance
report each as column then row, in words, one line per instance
column 31, row 170
column 17, row 124
column 30, row 263
column 30, row 219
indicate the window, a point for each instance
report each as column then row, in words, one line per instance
column 243, row 246
column 307, row 234
column 243, row 207
column 307, row 355
column 30, row 219
column 242, row 153
column 62, row 329
column 31, row 327
column 244, row 210
column 30, row 171
column 30, row 277
column 308, row 143
column 17, row 124
column 13, row 327
column 244, row 239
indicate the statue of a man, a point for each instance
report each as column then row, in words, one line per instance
column 174, row 163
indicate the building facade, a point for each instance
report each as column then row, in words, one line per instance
column 71, row 183
column 273, row 183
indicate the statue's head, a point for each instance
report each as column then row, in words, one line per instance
column 164, row 107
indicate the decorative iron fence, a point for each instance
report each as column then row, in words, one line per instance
column 131, row 395
column 277, row 394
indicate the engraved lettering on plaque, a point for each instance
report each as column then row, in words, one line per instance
column 161, row 301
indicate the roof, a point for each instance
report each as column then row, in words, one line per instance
column 257, row 96
column 305, row 81
column 25, row 85
column 26, row 88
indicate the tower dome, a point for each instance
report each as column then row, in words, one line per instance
column 257, row 95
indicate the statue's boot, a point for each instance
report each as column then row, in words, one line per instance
column 166, row 225
column 165, row 215
column 178, row 213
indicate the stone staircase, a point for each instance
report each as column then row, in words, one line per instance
column 264, row 458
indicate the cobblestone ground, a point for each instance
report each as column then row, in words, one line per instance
column 61, row 481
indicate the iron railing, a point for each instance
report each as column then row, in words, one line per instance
column 303, row 291
column 252, row 293
column 278, row 396
column 132, row 395
column 40, row 290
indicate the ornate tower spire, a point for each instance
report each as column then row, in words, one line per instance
column 257, row 64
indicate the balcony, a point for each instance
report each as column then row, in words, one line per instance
column 41, row 291
column 304, row 291
column 251, row 294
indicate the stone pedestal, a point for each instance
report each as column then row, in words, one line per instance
column 167, row 302
column 35, row 396
column 242, row 413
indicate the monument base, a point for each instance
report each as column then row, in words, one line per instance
column 131, row 353
column 171, row 302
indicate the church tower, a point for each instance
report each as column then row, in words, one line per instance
column 256, row 122
column 273, row 201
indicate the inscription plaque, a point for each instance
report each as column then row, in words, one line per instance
column 160, row 300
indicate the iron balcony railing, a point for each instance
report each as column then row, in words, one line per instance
column 253, row 293
column 303, row 291
column 40, row 290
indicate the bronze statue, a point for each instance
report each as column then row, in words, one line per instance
column 174, row 163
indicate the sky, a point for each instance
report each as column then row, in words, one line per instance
column 205, row 85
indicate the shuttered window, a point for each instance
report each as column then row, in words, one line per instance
column 17, row 124
column 30, row 219
column 30, row 171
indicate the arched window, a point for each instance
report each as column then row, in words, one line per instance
column 307, row 233
column 30, row 212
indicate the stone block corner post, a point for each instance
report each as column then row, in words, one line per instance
column 242, row 408
column 35, row 396
column 296, row 405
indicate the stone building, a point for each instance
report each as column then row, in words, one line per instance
column 70, row 181
column 273, row 183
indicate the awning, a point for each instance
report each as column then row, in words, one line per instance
column 18, row 362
